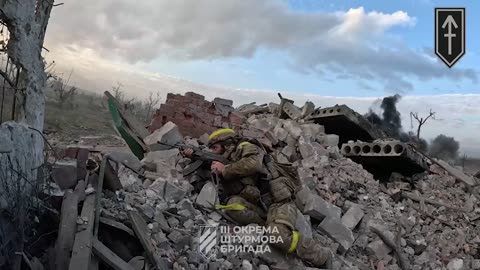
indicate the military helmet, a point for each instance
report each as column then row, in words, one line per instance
column 220, row 136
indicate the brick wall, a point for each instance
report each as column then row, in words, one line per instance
column 196, row 116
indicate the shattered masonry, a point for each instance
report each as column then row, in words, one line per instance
column 154, row 214
column 194, row 115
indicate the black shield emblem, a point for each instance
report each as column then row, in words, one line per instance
column 450, row 34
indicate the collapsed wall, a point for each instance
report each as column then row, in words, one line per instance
column 194, row 115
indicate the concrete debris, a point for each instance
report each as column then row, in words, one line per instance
column 353, row 216
column 455, row 264
column 319, row 209
column 207, row 196
column 339, row 194
column 64, row 173
column 168, row 134
column 335, row 229
column 303, row 225
column 293, row 128
column 379, row 249
column 280, row 133
column 307, row 109
column 292, row 111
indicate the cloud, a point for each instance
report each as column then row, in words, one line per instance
column 458, row 115
column 353, row 44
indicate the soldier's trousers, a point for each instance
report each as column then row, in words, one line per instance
column 281, row 219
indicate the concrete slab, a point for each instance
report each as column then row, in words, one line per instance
column 346, row 123
column 383, row 157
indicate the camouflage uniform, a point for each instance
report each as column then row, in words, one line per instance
column 241, row 180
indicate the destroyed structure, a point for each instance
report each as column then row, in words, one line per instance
column 22, row 80
column 138, row 211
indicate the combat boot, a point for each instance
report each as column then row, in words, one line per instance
column 250, row 213
column 313, row 252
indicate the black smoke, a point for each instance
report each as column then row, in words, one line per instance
column 391, row 121
column 444, row 147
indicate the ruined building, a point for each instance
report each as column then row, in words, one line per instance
column 22, row 102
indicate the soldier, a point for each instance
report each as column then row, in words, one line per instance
column 243, row 182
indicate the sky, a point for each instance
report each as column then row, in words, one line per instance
column 328, row 51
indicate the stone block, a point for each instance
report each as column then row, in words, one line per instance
column 302, row 197
column 338, row 232
column 378, row 249
column 179, row 239
column 261, row 124
column 315, row 162
column 271, row 137
column 168, row 133
column 207, row 196
column 328, row 139
column 306, row 177
column 353, row 216
column 175, row 191
column 204, row 139
column 194, row 95
column 293, row 128
column 292, row 111
column 64, row 173
column 217, row 121
column 236, row 118
column 303, row 225
column 127, row 158
column 280, row 133
column 225, row 102
column 319, row 209
column 312, row 130
column 308, row 109
column 252, row 134
column 290, row 152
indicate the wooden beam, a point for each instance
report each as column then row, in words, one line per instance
column 414, row 197
column 109, row 257
column 82, row 248
column 68, row 225
column 117, row 225
column 140, row 227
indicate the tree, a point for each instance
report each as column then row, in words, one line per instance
column 63, row 92
column 120, row 97
column 149, row 104
column 117, row 93
column 421, row 121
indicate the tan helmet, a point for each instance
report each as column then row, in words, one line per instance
column 221, row 135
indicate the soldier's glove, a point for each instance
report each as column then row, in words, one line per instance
column 281, row 189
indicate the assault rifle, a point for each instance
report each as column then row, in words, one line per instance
column 198, row 155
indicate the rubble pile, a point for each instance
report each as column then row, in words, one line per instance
column 426, row 221
column 194, row 115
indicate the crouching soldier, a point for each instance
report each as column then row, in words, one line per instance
column 242, row 181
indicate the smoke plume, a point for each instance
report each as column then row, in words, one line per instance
column 444, row 147
column 390, row 121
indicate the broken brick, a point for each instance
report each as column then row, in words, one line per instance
column 353, row 216
column 335, row 229
column 319, row 209
column 64, row 173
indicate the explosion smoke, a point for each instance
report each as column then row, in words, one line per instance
column 444, row 147
column 390, row 121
